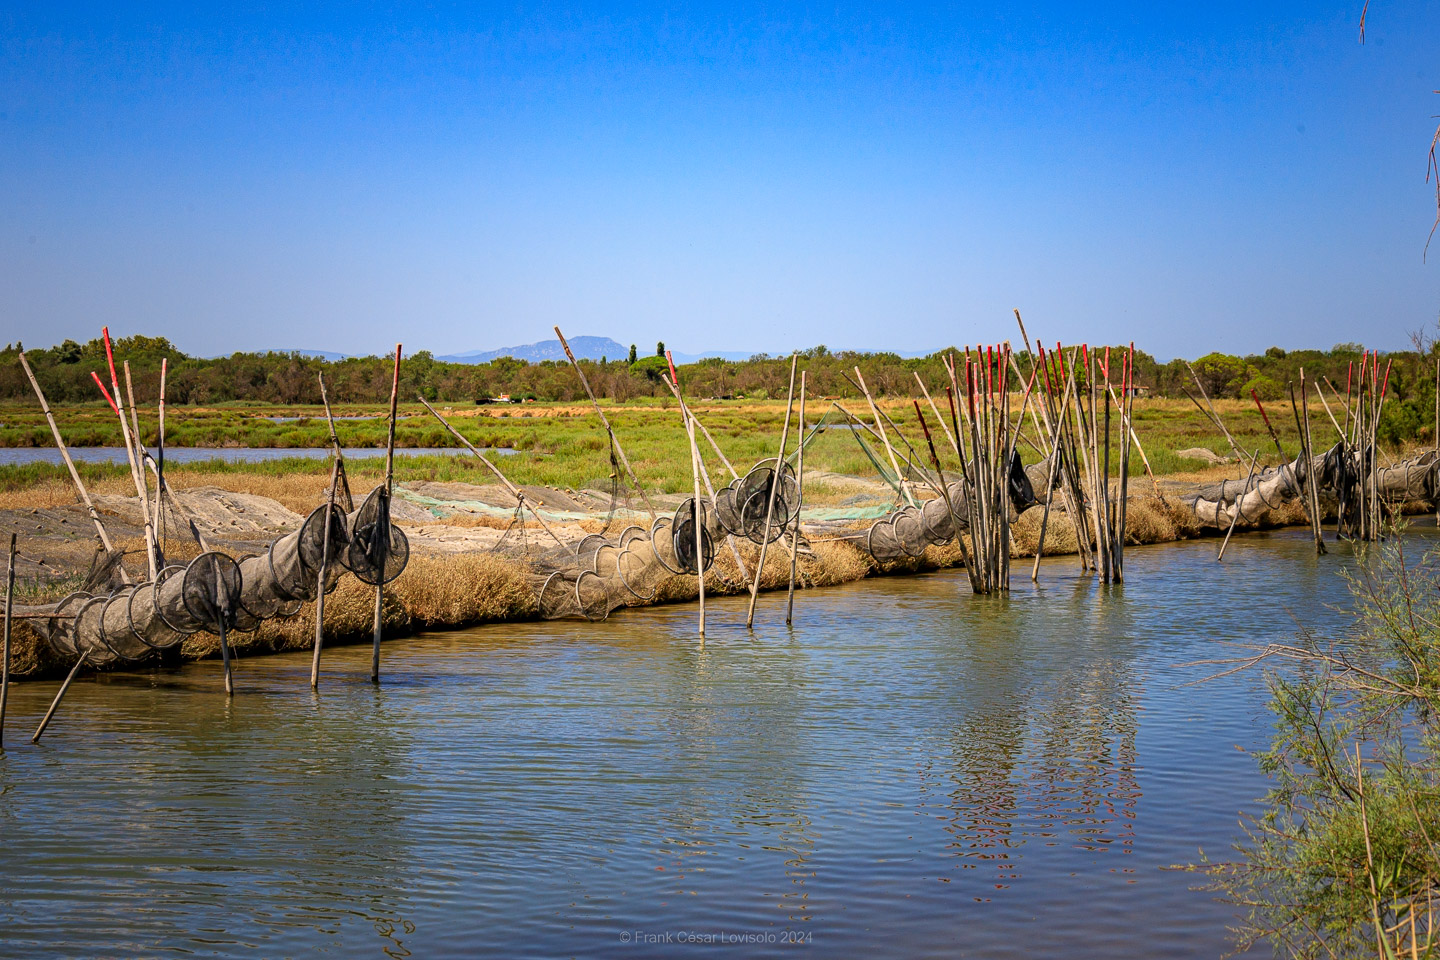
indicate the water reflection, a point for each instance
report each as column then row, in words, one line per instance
column 909, row 771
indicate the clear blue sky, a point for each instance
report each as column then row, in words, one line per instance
column 1192, row 176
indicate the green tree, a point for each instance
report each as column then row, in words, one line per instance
column 632, row 354
column 1343, row 861
column 660, row 349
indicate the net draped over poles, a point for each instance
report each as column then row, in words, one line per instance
column 604, row 572
column 215, row 591
column 1339, row 475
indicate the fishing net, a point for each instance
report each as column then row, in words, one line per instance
column 1412, row 479
column 751, row 502
column 378, row 550
column 214, row 592
column 693, row 514
column 600, row 574
column 908, row 530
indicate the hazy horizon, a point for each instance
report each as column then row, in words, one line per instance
column 753, row 179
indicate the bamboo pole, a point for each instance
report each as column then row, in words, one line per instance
column 158, row 464
column 875, row 411
column 970, row 570
column 696, row 519
column 225, row 656
column 799, row 501
column 1263, row 416
column 385, row 518
column 118, row 403
column 1313, row 487
column 1215, row 415
column 775, row 481
column 5, row 653
column 1233, row 520
column 69, row 463
column 688, row 415
column 1308, row 482
column 1110, row 517
column 1326, row 404
column 517, row 492
column 152, row 545
column 1050, row 486
column 45, row 722
column 936, row 410
column 347, row 500
column 320, row 580
column 614, row 440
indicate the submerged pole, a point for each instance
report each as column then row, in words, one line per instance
column 69, row 463
column 775, row 481
column 56, row 702
column 5, row 653
column 320, row 581
column 1235, row 519
column 799, row 500
column 385, row 517
column 624, row 460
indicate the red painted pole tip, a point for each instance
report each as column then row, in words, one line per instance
column 104, row 393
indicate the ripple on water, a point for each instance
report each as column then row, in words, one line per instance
column 910, row 771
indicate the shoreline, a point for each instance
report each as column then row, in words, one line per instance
column 459, row 589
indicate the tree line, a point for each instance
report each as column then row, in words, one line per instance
column 64, row 371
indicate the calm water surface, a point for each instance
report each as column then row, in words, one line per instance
column 909, row 772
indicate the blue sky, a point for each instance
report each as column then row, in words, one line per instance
column 463, row 177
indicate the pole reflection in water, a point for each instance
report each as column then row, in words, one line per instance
column 910, row 771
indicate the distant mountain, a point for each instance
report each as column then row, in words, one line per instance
column 586, row 348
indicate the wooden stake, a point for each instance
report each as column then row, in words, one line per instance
column 687, row 417
column 1233, row 520
column 770, row 501
column 56, row 702
column 389, row 479
column 347, row 500
column 320, row 581
column 142, row 490
column 70, row 464
column 1214, row 415
column 516, row 492
column 875, row 411
column 624, row 460
column 5, row 653
column 799, row 501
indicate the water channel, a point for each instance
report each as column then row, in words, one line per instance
column 908, row 772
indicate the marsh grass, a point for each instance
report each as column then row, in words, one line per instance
column 564, row 446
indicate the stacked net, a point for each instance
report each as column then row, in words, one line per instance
column 907, row 531
column 215, row 593
column 603, row 572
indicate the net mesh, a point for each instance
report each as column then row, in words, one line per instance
column 215, row 592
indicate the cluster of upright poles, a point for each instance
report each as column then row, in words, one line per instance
column 1364, row 402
